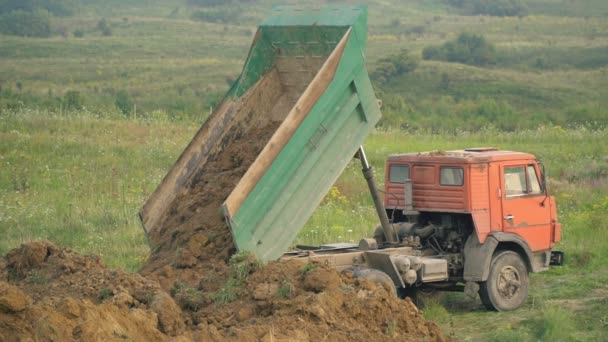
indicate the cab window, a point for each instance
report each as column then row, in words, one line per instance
column 515, row 181
column 452, row 176
column 399, row 173
column 535, row 188
column 521, row 180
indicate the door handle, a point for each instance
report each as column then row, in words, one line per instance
column 509, row 217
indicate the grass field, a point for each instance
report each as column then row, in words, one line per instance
column 79, row 177
column 80, row 181
column 552, row 64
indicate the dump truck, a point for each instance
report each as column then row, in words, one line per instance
column 452, row 220
column 476, row 220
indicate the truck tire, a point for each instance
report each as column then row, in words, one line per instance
column 506, row 288
column 377, row 277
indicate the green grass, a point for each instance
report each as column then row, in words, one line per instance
column 80, row 178
column 549, row 60
column 79, row 181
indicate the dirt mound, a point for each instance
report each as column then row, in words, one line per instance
column 52, row 293
column 72, row 319
column 293, row 301
column 193, row 287
column 67, row 296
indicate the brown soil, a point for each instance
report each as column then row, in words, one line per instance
column 279, row 304
column 191, row 288
column 51, row 293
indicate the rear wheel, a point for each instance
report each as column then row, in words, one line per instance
column 506, row 288
column 377, row 277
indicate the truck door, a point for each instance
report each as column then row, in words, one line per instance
column 525, row 208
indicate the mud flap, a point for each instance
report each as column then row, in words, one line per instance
column 383, row 262
column 557, row 258
column 477, row 258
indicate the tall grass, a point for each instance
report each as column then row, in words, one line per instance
column 556, row 324
column 79, row 180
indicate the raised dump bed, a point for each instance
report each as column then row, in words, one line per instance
column 305, row 99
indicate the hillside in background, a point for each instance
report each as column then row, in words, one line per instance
column 541, row 62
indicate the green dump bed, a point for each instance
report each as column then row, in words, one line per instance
column 306, row 74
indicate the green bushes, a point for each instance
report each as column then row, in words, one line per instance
column 32, row 18
column 78, row 33
column 56, row 7
column 394, row 65
column 446, row 114
column 124, row 102
column 216, row 2
column 499, row 8
column 15, row 100
column 468, row 48
column 223, row 15
column 26, row 24
column 73, row 100
column 553, row 58
column 104, row 28
column 449, row 114
column 396, row 112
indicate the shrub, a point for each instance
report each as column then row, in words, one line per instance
column 204, row 3
column 396, row 112
column 500, row 8
column 394, row 65
column 56, row 7
column 79, row 33
column 124, row 102
column 26, row 24
column 72, row 100
column 103, row 26
column 468, row 48
column 223, row 15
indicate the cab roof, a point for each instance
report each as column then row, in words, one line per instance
column 469, row 155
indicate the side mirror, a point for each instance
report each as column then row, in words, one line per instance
column 543, row 180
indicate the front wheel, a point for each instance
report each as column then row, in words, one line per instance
column 506, row 288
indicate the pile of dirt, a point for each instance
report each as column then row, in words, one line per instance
column 52, row 293
column 193, row 286
column 291, row 301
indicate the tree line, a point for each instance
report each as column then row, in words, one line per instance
column 32, row 18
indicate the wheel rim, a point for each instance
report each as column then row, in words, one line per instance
column 508, row 282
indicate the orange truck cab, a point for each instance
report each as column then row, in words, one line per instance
column 485, row 210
